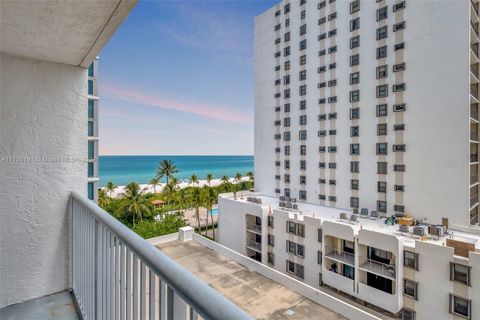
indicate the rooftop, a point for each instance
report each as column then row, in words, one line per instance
column 375, row 224
column 260, row 296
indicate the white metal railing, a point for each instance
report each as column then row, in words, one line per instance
column 118, row 275
column 380, row 268
column 254, row 245
column 341, row 256
column 255, row 228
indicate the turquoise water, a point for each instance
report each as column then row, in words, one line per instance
column 124, row 169
column 214, row 211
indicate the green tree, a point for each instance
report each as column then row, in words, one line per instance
column 251, row 177
column 237, row 180
column 209, row 178
column 169, row 224
column 210, row 198
column 154, row 183
column 167, row 169
column 110, row 187
column 134, row 203
column 196, row 200
column 103, row 199
column 194, row 180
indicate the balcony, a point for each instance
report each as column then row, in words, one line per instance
column 340, row 256
column 115, row 273
column 474, row 73
column 475, row 50
column 255, row 246
column 378, row 268
column 473, row 179
column 254, row 228
column 473, row 158
column 474, row 114
column 474, row 136
column 474, row 201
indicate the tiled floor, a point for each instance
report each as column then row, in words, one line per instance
column 56, row 306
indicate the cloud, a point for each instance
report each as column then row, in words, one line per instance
column 208, row 111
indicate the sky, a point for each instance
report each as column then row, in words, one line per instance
column 177, row 79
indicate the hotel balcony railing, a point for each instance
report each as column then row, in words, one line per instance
column 340, row 256
column 475, row 49
column 474, row 25
column 474, row 114
column 474, row 69
column 473, row 200
column 254, row 245
column 118, row 275
column 473, row 179
column 379, row 268
column 474, row 157
column 474, row 7
column 255, row 228
column 474, row 136
column 474, row 91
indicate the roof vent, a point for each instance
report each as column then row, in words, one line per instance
column 419, row 231
column 403, row 228
column 436, row 230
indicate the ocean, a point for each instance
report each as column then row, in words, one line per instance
column 122, row 170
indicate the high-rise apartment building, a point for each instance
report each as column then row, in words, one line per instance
column 92, row 185
column 366, row 153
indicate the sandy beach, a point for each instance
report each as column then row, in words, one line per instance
column 183, row 184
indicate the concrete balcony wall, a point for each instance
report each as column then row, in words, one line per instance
column 43, row 114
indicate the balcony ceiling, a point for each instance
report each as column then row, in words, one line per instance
column 62, row 31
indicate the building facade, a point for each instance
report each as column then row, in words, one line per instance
column 366, row 154
column 92, row 185
column 357, row 107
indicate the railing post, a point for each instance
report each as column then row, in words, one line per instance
column 98, row 270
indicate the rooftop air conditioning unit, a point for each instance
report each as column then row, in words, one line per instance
column 419, row 231
column 295, row 206
column 436, row 230
column 282, row 198
column 403, row 228
column 353, row 218
column 343, row 216
column 281, row 204
column 374, row 214
column 364, row 212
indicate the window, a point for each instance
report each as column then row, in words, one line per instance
column 322, row 85
column 355, row 78
column 399, row 67
column 286, row 79
column 271, row 258
column 399, row 26
column 286, row 51
column 399, row 46
column 382, row 52
column 382, row 32
column 381, row 167
column 303, row 29
column 319, row 256
column 90, row 168
column 410, row 288
column 410, row 259
column 90, row 191
column 302, row 75
column 354, row 202
column 322, row 133
column 354, row 184
column 322, row 21
column 303, row 60
column 286, row 8
column 399, row 6
column 286, row 178
column 271, row 239
column 332, row 49
column 277, row 13
column 381, row 186
column 354, row 166
column 332, row 33
column 354, row 42
column 321, row 101
column 302, row 90
column 332, row 149
column 381, row 206
column 91, row 70
column 332, row 132
column 302, row 14
column 399, row 147
column 303, row 105
column 322, row 4
column 321, row 165
column 355, row 60
column 355, row 131
column 332, row 198
column 322, row 117
column 354, row 113
column 322, row 52
column 303, row 148
column 322, row 197
column 332, row 16
column 382, row 148
column 460, row 273
column 287, row 150
column 286, row 65
column 398, row 188
column 290, row 266
column 332, row 165
column 355, row 149
column 302, row 135
column 286, row 136
column 382, row 91
column 303, row 44
column 296, row 228
column 332, row 66
column 382, row 71
column 399, row 167
column 354, row 6
column 382, row 129
column 460, row 306
column 286, row 107
column 286, row 37
column 286, row 122
column 407, row 314
column 332, row 83
column 355, row 96
column 91, row 150
column 277, row 27
column 355, row 24
column 398, row 208
column 303, row 164
column 91, row 108
column 286, row 93
column 398, row 87
column 277, row 68
column 332, row 100
column 90, row 87
column 382, row 13
column 382, row 110
column 302, row 2
column 399, row 107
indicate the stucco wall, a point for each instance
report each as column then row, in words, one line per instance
column 43, row 113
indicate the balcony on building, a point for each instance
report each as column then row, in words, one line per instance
column 378, row 269
column 340, row 256
column 253, row 224
column 62, row 256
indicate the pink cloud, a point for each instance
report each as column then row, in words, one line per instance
column 209, row 111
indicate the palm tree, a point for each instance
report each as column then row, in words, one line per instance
column 210, row 198
column 110, row 187
column 237, row 180
column 209, row 178
column 170, row 189
column 195, row 198
column 154, row 182
column 167, row 169
column 194, row 179
column 103, row 199
column 225, row 183
column 250, row 176
column 134, row 201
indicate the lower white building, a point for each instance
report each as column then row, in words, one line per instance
column 414, row 272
